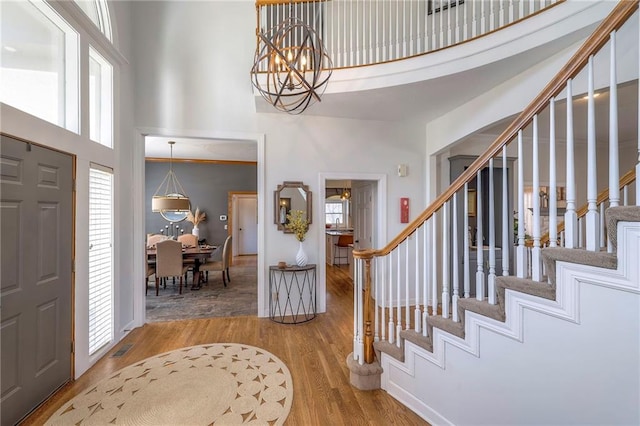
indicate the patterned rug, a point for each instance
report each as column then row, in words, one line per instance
column 238, row 298
column 220, row 384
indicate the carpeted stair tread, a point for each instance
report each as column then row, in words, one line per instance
column 481, row 307
column 620, row 214
column 418, row 339
column 389, row 349
column 523, row 285
column 446, row 324
column 551, row 255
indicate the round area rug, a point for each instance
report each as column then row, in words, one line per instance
column 221, row 384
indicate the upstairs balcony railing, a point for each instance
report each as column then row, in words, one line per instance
column 365, row 32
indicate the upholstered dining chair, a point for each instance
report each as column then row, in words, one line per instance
column 153, row 239
column 169, row 262
column 220, row 265
column 151, row 269
column 189, row 240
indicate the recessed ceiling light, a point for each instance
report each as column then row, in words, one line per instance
column 10, row 49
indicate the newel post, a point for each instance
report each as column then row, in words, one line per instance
column 369, row 355
column 365, row 371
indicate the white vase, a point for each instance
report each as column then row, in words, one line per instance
column 196, row 231
column 301, row 256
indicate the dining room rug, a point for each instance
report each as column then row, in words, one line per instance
column 238, row 298
column 219, row 383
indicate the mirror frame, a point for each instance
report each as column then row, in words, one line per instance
column 276, row 204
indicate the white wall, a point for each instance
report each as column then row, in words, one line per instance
column 198, row 81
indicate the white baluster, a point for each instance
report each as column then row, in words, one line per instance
column 456, row 259
column 483, row 19
column 570, row 216
column 625, row 195
column 581, row 232
column 638, row 120
column 457, row 29
column 465, row 22
column 603, row 239
column 392, row 326
column 445, row 260
column 521, row 250
column 492, row 17
column 479, row 241
column 492, row 238
column 399, row 300
column 407, row 308
column 506, row 229
column 536, row 272
column 425, row 286
column 467, row 243
column 442, row 4
column 434, row 267
column 614, row 168
column 418, row 314
column 552, row 197
column 511, row 11
column 474, row 23
column 376, row 298
column 449, row 12
column 383, row 292
column 593, row 220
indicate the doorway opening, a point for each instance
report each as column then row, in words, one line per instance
column 352, row 204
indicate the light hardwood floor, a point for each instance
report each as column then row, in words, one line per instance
column 315, row 353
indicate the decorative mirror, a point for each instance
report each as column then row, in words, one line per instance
column 291, row 196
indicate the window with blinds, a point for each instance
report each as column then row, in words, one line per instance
column 100, row 257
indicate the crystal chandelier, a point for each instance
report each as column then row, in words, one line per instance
column 291, row 67
column 173, row 198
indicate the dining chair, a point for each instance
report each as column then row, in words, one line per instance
column 189, row 240
column 150, row 271
column 220, row 265
column 153, row 239
column 169, row 262
column 343, row 244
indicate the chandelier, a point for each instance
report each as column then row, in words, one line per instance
column 172, row 203
column 288, row 68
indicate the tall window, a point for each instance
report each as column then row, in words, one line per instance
column 39, row 62
column 100, row 257
column 100, row 99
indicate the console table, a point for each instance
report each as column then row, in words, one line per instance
column 292, row 294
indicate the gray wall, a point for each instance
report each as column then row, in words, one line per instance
column 207, row 186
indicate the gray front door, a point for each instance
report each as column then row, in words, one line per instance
column 35, row 289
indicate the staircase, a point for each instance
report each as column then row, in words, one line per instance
column 550, row 333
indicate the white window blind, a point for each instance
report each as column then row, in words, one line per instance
column 100, row 257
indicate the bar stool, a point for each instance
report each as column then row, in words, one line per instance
column 341, row 248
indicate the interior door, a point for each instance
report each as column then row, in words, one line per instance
column 247, row 225
column 362, row 193
column 35, row 289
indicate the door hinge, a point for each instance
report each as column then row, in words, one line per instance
column 72, row 347
column 73, row 266
column 73, row 185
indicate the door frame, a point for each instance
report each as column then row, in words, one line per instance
column 231, row 209
column 380, row 229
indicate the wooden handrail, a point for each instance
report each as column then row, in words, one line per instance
column 599, row 38
column 603, row 196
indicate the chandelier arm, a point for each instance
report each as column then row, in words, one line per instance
column 269, row 43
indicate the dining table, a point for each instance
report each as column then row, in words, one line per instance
column 199, row 255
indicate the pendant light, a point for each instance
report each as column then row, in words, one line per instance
column 173, row 198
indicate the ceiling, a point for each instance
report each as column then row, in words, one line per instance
column 201, row 148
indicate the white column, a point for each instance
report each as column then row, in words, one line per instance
column 593, row 217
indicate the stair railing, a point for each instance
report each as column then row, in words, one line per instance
column 425, row 269
column 626, row 181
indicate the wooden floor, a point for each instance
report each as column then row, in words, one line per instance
column 315, row 353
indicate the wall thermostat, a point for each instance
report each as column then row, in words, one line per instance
column 223, row 217
column 402, row 170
